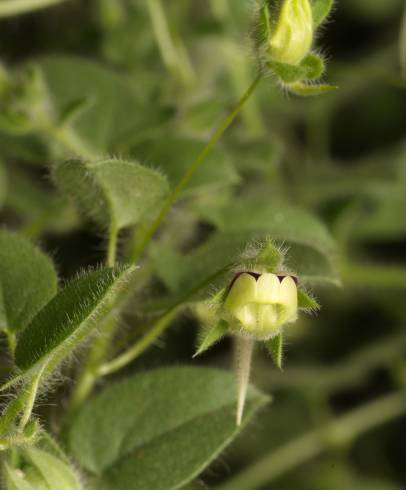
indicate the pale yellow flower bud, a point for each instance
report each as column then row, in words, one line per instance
column 292, row 36
column 260, row 305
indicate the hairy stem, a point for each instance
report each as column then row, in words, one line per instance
column 156, row 330
column 190, row 172
column 29, row 396
column 344, row 430
column 243, row 348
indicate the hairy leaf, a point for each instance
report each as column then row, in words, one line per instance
column 159, row 429
column 56, row 474
column 28, row 280
column 72, row 314
column 117, row 191
column 174, row 154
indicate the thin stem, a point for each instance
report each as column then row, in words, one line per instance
column 30, row 394
column 16, row 7
column 243, row 355
column 139, row 347
column 157, row 329
column 173, row 53
column 9, row 415
column 112, row 244
column 67, row 138
column 343, row 430
column 90, row 371
column 184, row 181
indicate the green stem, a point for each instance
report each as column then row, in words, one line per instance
column 139, row 347
column 66, row 137
column 9, row 415
column 184, row 181
column 343, row 430
column 15, row 7
column 112, row 244
column 157, row 329
column 29, row 396
column 172, row 50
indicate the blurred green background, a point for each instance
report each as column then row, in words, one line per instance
column 341, row 156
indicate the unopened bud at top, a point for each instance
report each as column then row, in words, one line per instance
column 260, row 304
column 291, row 36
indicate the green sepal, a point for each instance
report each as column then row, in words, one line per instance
column 219, row 297
column 275, row 348
column 321, row 9
column 307, row 90
column 212, row 336
column 270, row 257
column 311, row 67
column 305, row 301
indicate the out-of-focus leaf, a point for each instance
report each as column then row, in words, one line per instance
column 36, row 207
column 28, row 281
column 160, row 429
column 284, row 223
column 117, row 191
column 116, row 113
column 69, row 317
column 14, row 479
column 174, row 154
column 56, row 474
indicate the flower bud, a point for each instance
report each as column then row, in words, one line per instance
column 291, row 37
column 260, row 304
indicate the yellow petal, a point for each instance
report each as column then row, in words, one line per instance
column 242, row 292
column 288, row 298
column 268, row 289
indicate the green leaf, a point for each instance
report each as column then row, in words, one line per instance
column 15, row 480
column 36, row 206
column 69, row 317
column 305, row 301
column 118, row 191
column 174, row 154
column 158, row 430
column 207, row 264
column 308, row 90
column 275, row 347
column 57, row 475
column 118, row 109
column 321, row 9
column 214, row 334
column 28, row 281
column 286, row 223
